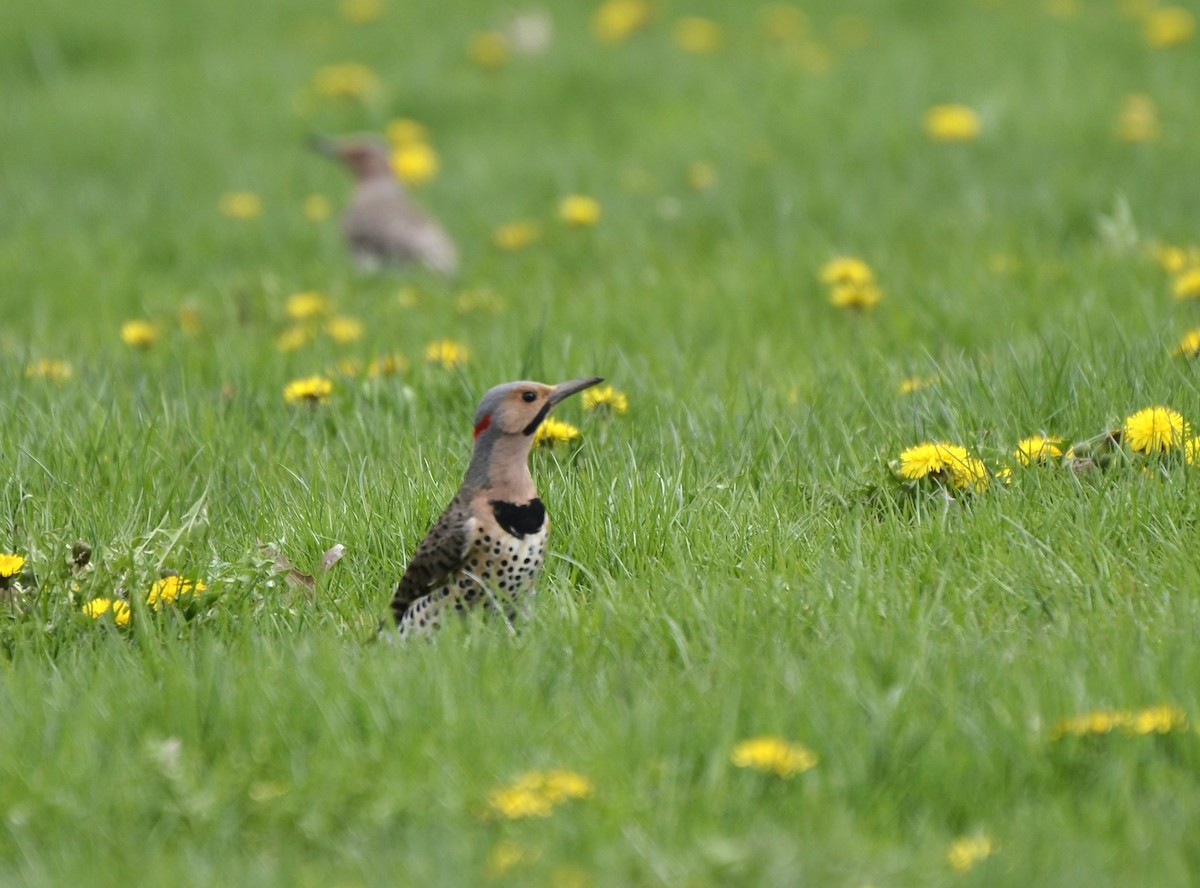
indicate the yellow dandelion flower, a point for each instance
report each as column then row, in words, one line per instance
column 579, row 210
column 1037, row 449
column 964, row 853
column 616, row 20
column 478, row 299
column 446, row 352
column 1138, row 119
column 858, row 296
column 139, row 334
column 387, row 365
column 931, row 460
column 562, row 785
column 293, row 338
column 537, row 793
column 10, row 565
column 316, row 208
column 518, row 235
column 970, row 474
column 697, row 35
column 347, row 367
column 97, row 607
column 361, row 12
column 952, row 123
column 305, row 306
column 242, row 205
column 555, row 431
column 169, row 590
column 782, row 22
column 309, row 390
column 488, row 50
column 1191, row 452
column 47, row 368
column 507, row 857
column 350, row 80
column 701, row 175
column 1171, row 259
column 1187, row 284
column 1167, row 27
column 774, row 755
column 121, row 612
column 1155, row 430
column 605, row 398
column 343, row 329
column 846, row 270
column 415, row 163
column 916, row 383
column 1160, row 719
column 517, row 803
column 405, row 131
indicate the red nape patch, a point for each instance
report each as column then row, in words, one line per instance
column 482, row 425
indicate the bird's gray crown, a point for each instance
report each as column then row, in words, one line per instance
column 494, row 397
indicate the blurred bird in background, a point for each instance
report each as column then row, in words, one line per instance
column 382, row 225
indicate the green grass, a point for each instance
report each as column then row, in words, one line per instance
column 729, row 559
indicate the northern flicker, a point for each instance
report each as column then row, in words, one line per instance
column 486, row 549
column 382, row 225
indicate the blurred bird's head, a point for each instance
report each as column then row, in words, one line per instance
column 365, row 156
column 518, row 408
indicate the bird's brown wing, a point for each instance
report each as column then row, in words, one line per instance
column 439, row 555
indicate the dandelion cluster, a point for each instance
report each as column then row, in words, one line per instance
column 413, row 157
column 488, row 50
column 1037, row 449
column 172, row 590
column 617, row 20
column 538, row 793
column 316, row 208
column 697, row 35
column 943, row 462
column 446, row 353
column 1168, row 26
column 952, row 123
column 579, row 210
column 10, row 565
column 773, row 755
column 1160, row 719
column 48, row 368
column 349, row 80
column 606, row 399
column 309, row 390
column 98, row 607
column 361, row 12
column 513, row 236
column 1138, row 119
column 554, row 431
column 1156, row 430
column 139, row 334
column 243, row 205
column 964, row 853
column 851, row 283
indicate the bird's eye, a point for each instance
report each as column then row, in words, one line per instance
column 528, row 397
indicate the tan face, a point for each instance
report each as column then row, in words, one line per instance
column 518, row 408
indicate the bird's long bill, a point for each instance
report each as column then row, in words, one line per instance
column 564, row 390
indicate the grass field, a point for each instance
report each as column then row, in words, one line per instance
column 732, row 558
